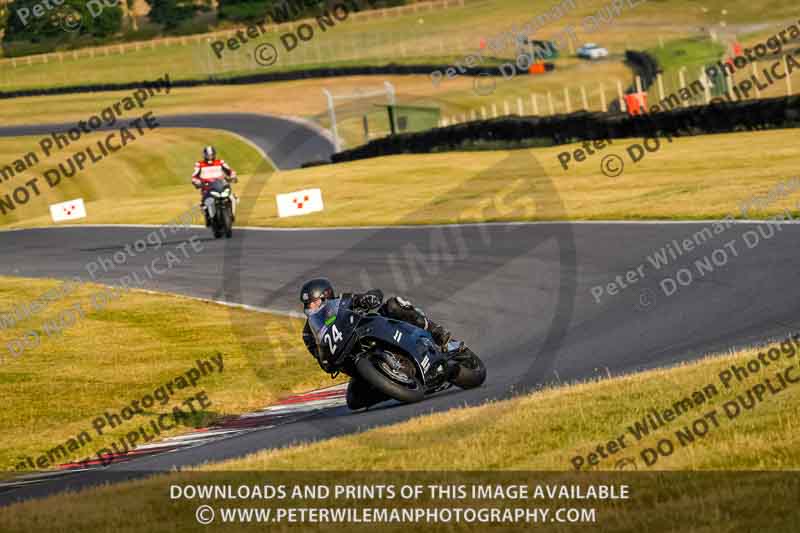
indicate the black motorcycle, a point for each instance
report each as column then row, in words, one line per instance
column 220, row 207
column 395, row 358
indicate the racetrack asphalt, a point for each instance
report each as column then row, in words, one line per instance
column 518, row 294
column 265, row 131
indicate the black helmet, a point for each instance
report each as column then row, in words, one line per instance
column 314, row 289
column 209, row 154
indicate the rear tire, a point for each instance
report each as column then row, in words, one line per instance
column 471, row 370
column 370, row 368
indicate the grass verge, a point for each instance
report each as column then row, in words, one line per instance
column 146, row 180
column 543, row 431
column 128, row 348
column 701, row 177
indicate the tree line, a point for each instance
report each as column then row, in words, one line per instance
column 50, row 25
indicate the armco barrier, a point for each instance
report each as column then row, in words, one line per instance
column 772, row 113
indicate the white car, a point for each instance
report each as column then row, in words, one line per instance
column 592, row 51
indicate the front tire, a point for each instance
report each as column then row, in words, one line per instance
column 404, row 385
column 227, row 219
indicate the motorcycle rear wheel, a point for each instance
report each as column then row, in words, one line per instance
column 471, row 370
column 403, row 385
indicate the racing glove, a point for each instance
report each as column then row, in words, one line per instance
column 369, row 300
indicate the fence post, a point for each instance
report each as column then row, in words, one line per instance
column 706, row 84
column 567, row 103
column 788, row 77
column 683, row 84
column 550, row 103
column 639, row 93
column 660, row 87
column 603, row 105
column 622, row 106
column 472, row 115
column 494, row 110
column 483, row 113
column 505, row 108
column 583, row 98
column 755, row 74
column 519, row 107
column 729, row 82
column 534, row 104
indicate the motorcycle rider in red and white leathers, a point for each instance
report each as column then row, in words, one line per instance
column 208, row 170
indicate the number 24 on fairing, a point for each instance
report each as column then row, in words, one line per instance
column 337, row 336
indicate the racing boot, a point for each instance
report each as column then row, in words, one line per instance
column 361, row 394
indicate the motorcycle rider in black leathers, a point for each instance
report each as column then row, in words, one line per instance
column 313, row 295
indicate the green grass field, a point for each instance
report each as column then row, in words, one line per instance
column 544, row 431
column 437, row 34
column 150, row 175
column 690, row 178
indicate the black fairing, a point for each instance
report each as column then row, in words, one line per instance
column 341, row 334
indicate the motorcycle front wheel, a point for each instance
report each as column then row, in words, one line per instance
column 227, row 218
column 393, row 374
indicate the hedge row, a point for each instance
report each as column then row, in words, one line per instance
column 772, row 113
column 260, row 78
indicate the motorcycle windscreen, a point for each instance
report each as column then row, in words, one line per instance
column 320, row 321
column 218, row 186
